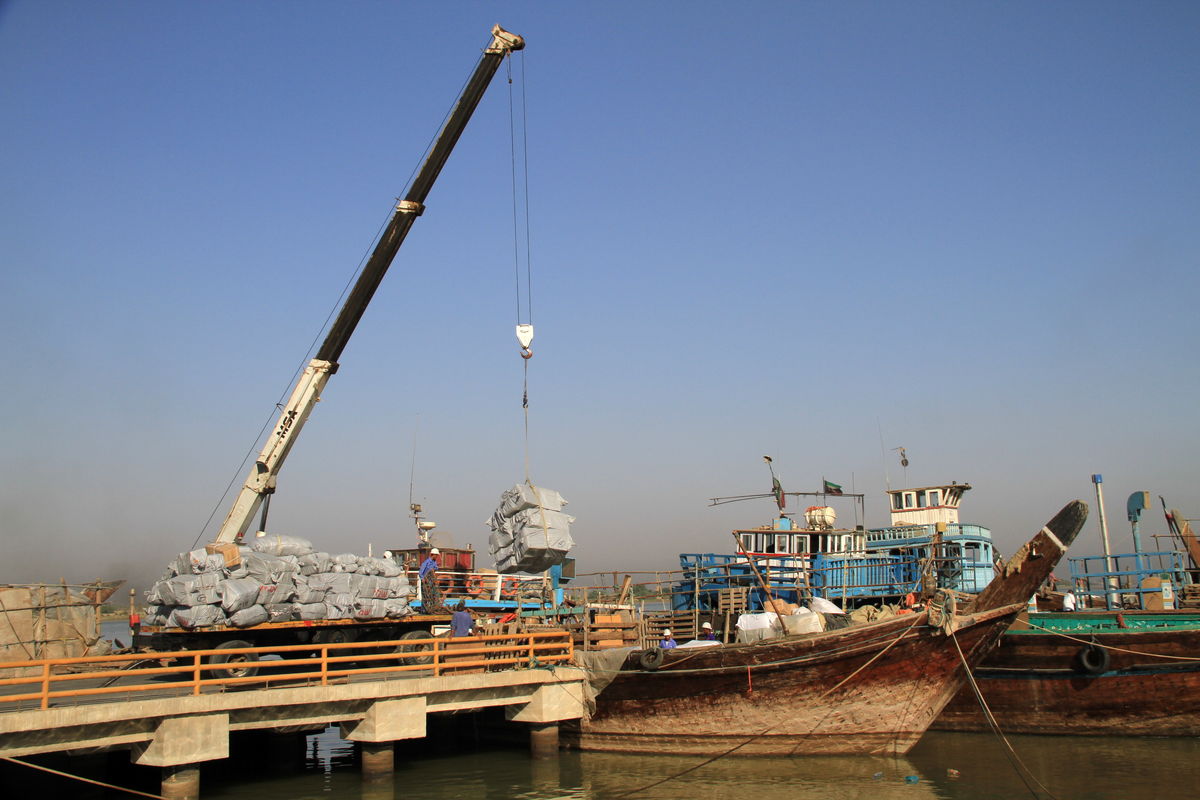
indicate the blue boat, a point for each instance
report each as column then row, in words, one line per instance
column 924, row 548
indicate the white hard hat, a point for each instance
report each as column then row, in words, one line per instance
column 435, row 552
column 667, row 632
column 707, row 626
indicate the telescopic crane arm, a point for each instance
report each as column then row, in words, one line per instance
column 307, row 392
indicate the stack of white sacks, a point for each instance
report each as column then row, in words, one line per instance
column 279, row 578
column 530, row 532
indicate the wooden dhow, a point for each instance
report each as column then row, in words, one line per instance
column 1088, row 673
column 869, row 688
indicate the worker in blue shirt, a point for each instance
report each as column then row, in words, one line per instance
column 706, row 633
column 431, row 593
column 461, row 622
column 667, row 642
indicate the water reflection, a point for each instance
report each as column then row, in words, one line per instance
column 457, row 765
column 1095, row 767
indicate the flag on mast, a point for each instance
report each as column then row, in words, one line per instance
column 828, row 487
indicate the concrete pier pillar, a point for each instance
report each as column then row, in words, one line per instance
column 181, row 782
column 378, row 760
column 543, row 739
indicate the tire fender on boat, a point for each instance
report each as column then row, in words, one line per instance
column 651, row 659
column 1092, row 659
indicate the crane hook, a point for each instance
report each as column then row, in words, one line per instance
column 524, row 337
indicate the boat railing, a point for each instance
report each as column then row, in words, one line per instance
column 1120, row 580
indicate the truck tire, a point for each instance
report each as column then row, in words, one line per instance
column 416, row 642
column 241, row 665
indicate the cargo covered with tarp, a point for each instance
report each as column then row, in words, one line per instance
column 530, row 531
column 51, row 621
column 275, row 579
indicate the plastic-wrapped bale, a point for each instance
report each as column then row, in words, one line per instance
column 369, row 608
column 523, row 496
column 160, row 594
column 197, row 617
column 252, row 615
column 281, row 612
column 189, row 590
column 182, row 565
column 531, row 533
column 344, row 562
column 396, row 608
column 378, row 566
column 307, row 594
column 157, row 614
column 238, row 594
column 202, row 561
column 314, row 563
column 395, row 587
column 275, row 544
column 310, row 611
column 266, row 594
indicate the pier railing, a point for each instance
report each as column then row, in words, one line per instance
column 48, row 682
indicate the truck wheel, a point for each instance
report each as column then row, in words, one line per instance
column 241, row 665
column 416, row 642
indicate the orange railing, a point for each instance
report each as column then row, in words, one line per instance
column 302, row 664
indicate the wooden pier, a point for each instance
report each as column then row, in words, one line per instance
column 174, row 710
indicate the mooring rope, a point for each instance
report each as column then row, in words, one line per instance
column 81, row 778
column 1018, row 765
column 759, row 735
column 1112, row 648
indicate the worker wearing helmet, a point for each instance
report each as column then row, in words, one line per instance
column 431, row 593
column 667, row 642
column 706, row 633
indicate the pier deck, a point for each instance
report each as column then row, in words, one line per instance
column 173, row 709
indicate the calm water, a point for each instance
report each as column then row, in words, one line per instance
column 458, row 762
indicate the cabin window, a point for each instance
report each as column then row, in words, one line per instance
column 935, row 498
column 909, row 500
column 782, row 542
column 747, row 542
column 897, row 502
column 801, row 545
column 972, row 551
column 921, row 499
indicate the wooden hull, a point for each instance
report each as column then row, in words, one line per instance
column 865, row 689
column 1036, row 682
column 872, row 688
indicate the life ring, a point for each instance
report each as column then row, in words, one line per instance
column 508, row 587
column 1093, row 659
column 475, row 585
column 651, row 659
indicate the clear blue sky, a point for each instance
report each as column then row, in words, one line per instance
column 811, row 230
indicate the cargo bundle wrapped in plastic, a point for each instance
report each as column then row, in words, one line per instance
column 275, row 544
column 531, row 533
column 279, row 585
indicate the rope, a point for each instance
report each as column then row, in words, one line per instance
column 81, row 778
column 759, row 735
column 516, row 204
column 1110, row 648
column 1018, row 765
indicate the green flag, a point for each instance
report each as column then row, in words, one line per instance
column 777, row 490
column 830, row 487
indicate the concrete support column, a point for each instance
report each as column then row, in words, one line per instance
column 378, row 760
column 543, row 739
column 181, row 782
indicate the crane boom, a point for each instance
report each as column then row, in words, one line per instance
column 307, row 392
